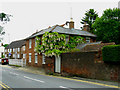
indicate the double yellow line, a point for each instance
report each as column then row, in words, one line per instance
column 5, row 86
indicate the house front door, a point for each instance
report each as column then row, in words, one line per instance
column 58, row 64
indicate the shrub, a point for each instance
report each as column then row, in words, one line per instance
column 111, row 53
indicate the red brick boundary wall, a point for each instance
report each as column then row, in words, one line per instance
column 90, row 65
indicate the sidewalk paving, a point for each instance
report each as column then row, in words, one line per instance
column 35, row 70
column 40, row 71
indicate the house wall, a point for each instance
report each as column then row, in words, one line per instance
column 49, row 65
column 31, row 50
column 16, row 52
column 90, row 65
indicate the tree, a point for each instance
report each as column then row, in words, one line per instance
column 4, row 18
column 1, row 32
column 5, row 45
column 107, row 27
column 90, row 17
column 53, row 44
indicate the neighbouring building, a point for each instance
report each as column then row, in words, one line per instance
column 39, row 60
column 2, row 48
column 16, row 50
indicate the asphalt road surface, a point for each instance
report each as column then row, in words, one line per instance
column 13, row 78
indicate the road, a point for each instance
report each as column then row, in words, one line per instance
column 14, row 78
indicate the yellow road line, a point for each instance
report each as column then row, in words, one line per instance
column 112, row 86
column 5, row 86
column 100, row 84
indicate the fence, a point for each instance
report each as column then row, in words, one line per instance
column 19, row 62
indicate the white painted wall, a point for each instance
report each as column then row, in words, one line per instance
column 19, row 62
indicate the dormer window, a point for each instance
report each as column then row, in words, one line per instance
column 87, row 39
column 67, row 38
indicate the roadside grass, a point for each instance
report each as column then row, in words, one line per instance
column 14, row 65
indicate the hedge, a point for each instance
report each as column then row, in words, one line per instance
column 111, row 53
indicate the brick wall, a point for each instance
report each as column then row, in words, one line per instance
column 39, row 64
column 49, row 64
column 89, row 64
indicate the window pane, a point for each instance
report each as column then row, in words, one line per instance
column 29, row 58
column 35, row 58
column 30, row 42
column 43, row 58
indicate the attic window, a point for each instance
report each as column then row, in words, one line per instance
column 67, row 38
column 87, row 39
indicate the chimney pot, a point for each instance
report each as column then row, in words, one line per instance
column 86, row 27
column 71, row 24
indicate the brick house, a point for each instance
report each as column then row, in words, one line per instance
column 16, row 50
column 38, row 60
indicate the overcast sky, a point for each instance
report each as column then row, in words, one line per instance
column 32, row 15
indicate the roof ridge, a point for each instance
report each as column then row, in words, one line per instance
column 18, row 40
column 54, row 27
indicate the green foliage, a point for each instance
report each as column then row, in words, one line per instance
column 5, row 45
column 74, row 41
column 53, row 44
column 107, row 27
column 4, row 18
column 90, row 17
column 3, row 56
column 111, row 53
column 14, row 65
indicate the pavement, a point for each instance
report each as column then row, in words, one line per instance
column 30, row 77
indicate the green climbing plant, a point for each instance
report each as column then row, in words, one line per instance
column 53, row 44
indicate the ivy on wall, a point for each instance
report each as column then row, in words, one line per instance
column 53, row 44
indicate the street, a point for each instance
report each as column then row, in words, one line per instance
column 14, row 78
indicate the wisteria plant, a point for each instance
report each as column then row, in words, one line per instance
column 53, row 44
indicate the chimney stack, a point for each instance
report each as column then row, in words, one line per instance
column 71, row 24
column 86, row 27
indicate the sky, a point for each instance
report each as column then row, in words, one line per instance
column 32, row 15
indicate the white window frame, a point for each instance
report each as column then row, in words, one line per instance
column 36, row 60
column 10, row 50
column 30, row 56
column 18, row 55
column 5, row 55
column 13, row 49
column 5, row 50
column 13, row 55
column 18, row 49
column 24, row 48
column 24, row 56
column 43, row 58
column 30, row 43
column 88, row 39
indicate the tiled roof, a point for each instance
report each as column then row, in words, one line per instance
column 81, row 46
column 63, row 30
column 16, row 44
column 93, row 46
